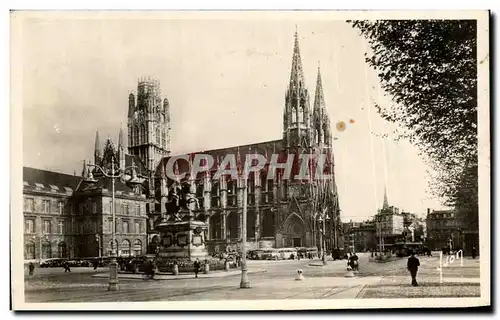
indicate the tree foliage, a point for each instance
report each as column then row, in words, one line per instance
column 429, row 69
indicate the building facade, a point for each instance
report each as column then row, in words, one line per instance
column 389, row 223
column 281, row 213
column 68, row 216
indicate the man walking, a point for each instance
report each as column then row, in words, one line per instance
column 196, row 267
column 66, row 267
column 31, row 268
column 413, row 264
column 474, row 252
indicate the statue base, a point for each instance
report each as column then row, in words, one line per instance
column 183, row 240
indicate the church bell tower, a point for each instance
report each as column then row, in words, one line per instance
column 149, row 124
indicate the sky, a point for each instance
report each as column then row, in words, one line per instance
column 225, row 80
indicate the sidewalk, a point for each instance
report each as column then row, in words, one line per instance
column 160, row 276
column 457, row 281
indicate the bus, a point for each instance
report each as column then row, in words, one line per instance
column 270, row 254
column 287, row 253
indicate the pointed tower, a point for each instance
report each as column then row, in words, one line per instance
column 296, row 119
column 121, row 150
column 321, row 120
column 386, row 202
column 97, row 149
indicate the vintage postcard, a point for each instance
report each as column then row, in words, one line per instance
column 271, row 160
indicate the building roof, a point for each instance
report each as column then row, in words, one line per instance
column 49, row 181
column 262, row 148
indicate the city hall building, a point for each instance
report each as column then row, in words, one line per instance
column 70, row 216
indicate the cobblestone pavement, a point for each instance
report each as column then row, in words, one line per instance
column 374, row 280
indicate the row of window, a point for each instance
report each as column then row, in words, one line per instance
column 139, row 135
column 29, row 206
column 79, row 227
column 46, row 253
column 125, row 249
column 121, row 208
column 126, row 226
column 29, row 226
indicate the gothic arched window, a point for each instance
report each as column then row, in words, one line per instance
column 164, row 139
column 325, row 134
column 301, row 115
column 136, row 135
column 143, row 134
column 294, row 115
column 158, row 137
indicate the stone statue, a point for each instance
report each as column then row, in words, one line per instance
column 188, row 197
column 180, row 197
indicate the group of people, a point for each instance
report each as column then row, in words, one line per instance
column 353, row 261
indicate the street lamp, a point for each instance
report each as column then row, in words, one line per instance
column 245, row 283
column 113, row 173
column 322, row 223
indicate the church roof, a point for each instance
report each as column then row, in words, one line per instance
column 262, row 148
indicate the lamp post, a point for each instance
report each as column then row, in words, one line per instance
column 113, row 173
column 322, row 223
column 245, row 283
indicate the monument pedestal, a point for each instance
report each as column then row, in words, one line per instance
column 183, row 240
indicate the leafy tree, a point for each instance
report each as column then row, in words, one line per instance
column 429, row 69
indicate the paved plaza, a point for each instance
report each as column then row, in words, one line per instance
column 269, row 280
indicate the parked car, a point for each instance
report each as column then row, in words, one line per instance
column 254, row 254
column 338, row 254
column 52, row 263
column 137, row 264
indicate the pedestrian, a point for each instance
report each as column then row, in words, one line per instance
column 474, row 252
column 31, row 268
column 95, row 264
column 413, row 264
column 66, row 267
column 196, row 267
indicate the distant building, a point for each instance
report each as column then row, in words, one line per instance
column 389, row 223
column 442, row 229
column 360, row 236
column 414, row 225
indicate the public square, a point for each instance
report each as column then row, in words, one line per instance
column 268, row 279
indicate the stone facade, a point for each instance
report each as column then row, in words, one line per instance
column 281, row 213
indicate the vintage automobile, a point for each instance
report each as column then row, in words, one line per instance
column 338, row 254
column 52, row 263
column 287, row 253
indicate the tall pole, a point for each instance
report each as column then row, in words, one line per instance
column 113, row 266
column 245, row 283
column 323, row 258
column 40, row 257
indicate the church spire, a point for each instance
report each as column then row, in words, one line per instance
column 386, row 202
column 121, row 150
column 97, row 148
column 319, row 100
column 296, row 76
column 120, row 139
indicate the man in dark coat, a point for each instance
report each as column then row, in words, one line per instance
column 474, row 252
column 196, row 267
column 31, row 268
column 413, row 264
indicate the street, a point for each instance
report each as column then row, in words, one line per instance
column 268, row 280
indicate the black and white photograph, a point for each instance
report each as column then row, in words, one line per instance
column 272, row 160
